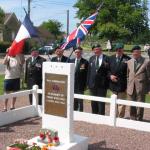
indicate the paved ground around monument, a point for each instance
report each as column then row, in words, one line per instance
column 101, row 137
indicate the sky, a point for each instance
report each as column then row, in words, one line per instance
column 43, row 10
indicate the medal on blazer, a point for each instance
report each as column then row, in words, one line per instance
column 38, row 65
column 82, row 66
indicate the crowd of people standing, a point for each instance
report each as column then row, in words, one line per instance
column 128, row 78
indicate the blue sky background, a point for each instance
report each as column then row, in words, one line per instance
column 42, row 10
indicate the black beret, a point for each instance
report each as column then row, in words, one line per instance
column 95, row 46
column 34, row 49
column 136, row 47
column 119, row 46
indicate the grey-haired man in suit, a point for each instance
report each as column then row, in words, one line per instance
column 81, row 69
column 97, row 79
column 138, row 81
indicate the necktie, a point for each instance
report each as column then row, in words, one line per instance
column 59, row 59
column 33, row 59
column 118, row 59
column 97, row 63
column 135, row 65
column 77, row 64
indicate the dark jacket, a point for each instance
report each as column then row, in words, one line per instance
column 33, row 71
column 80, row 75
column 98, row 79
column 63, row 59
column 119, row 70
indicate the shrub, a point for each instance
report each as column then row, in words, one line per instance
column 4, row 46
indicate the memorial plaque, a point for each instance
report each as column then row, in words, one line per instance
column 56, row 94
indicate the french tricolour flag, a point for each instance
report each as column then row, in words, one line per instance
column 27, row 30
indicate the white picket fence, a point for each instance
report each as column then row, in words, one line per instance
column 111, row 120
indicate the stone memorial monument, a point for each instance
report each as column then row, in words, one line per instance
column 58, row 98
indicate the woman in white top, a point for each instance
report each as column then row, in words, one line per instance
column 13, row 70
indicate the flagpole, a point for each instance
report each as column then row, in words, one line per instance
column 70, row 55
column 29, row 7
column 100, row 6
column 67, row 22
column 25, row 11
column 77, row 42
column 39, row 39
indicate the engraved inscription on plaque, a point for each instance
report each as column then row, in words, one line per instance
column 56, row 94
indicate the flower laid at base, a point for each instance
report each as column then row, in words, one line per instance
column 48, row 137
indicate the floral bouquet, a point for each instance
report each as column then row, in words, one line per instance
column 49, row 136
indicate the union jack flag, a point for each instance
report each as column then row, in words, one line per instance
column 79, row 33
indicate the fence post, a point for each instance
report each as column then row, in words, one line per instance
column 113, row 107
column 35, row 95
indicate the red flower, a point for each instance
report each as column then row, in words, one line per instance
column 42, row 136
column 56, row 138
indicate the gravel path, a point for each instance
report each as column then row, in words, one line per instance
column 101, row 137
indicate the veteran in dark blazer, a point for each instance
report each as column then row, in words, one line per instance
column 118, row 76
column 81, row 68
column 97, row 80
column 33, row 72
column 59, row 55
column 138, row 81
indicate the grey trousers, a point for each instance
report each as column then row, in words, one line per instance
column 136, row 113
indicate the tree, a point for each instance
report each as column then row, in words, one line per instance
column 53, row 26
column 2, row 15
column 118, row 19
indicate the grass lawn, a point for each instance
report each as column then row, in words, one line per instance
column 147, row 98
column 127, row 47
column 109, row 93
column 1, row 84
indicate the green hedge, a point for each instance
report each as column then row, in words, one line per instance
column 4, row 46
column 1, row 84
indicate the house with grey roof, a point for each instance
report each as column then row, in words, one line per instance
column 9, row 28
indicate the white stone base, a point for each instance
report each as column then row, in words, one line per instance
column 80, row 143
